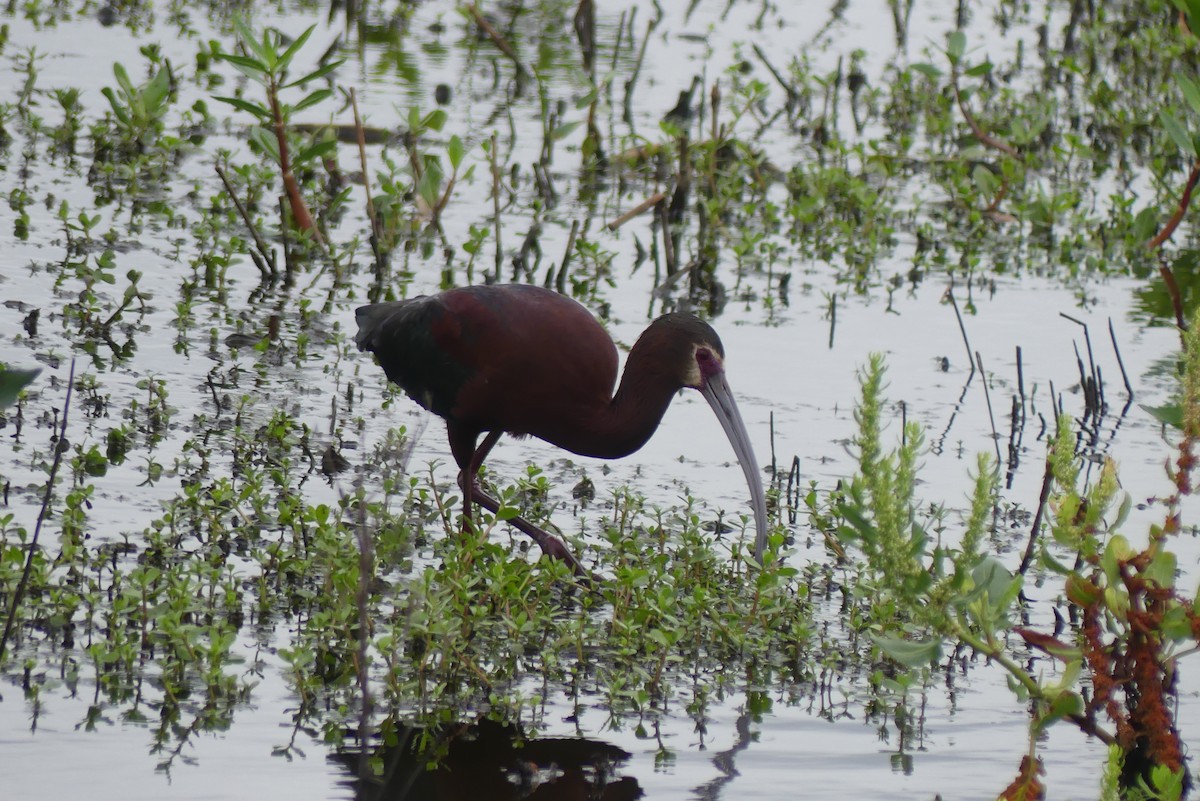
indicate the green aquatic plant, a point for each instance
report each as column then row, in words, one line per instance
column 139, row 111
column 266, row 61
column 917, row 594
column 13, row 381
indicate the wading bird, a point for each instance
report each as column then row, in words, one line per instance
column 523, row 360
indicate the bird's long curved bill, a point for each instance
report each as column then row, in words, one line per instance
column 716, row 391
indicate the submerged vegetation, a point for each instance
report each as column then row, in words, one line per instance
column 201, row 493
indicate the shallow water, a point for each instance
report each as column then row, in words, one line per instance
column 791, row 362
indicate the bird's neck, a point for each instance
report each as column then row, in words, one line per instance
column 636, row 409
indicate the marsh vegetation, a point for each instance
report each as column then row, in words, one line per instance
column 221, row 529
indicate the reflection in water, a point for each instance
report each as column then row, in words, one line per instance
column 488, row 761
column 724, row 762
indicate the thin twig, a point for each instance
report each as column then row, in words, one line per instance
column 60, row 446
column 991, row 417
column 440, row 206
column 1043, row 497
column 640, row 208
column 961, row 326
column 668, row 244
column 497, row 39
column 637, row 68
column 495, row 160
column 617, row 44
column 366, row 571
column 787, row 87
column 561, row 281
column 268, row 255
column 1093, row 372
column 376, row 234
column 1124, row 376
column 289, row 267
column 1021, row 382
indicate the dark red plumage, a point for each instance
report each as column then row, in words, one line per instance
column 528, row 361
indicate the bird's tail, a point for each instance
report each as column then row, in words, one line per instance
column 370, row 319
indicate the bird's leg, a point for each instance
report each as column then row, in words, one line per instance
column 469, row 458
column 551, row 545
column 468, row 481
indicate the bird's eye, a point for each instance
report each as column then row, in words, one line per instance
column 704, row 355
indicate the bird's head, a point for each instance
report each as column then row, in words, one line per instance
column 696, row 352
column 706, row 363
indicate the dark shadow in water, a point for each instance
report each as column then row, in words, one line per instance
column 488, row 761
column 724, row 762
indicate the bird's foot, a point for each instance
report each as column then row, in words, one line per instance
column 555, row 548
column 551, row 545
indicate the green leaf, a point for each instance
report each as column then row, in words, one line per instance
column 429, row 187
column 313, row 99
column 1145, row 225
column 94, row 463
column 1071, row 672
column 12, row 382
column 317, row 150
column 1168, row 784
column 1064, row 704
column 1082, row 592
column 1175, row 624
column 956, row 46
column 266, row 140
column 564, row 130
column 1169, row 415
column 860, row 527
column 157, row 91
column 257, row 110
column 118, row 107
column 1001, row 586
column 657, row 636
column 928, row 70
column 294, row 48
column 249, row 66
column 910, row 653
column 1178, row 133
column 1161, row 570
column 1191, row 92
column 319, row 72
column 262, row 46
column 1191, row 10
column 455, row 151
column 979, row 70
column 123, row 80
column 434, row 120
column 985, row 180
column 1117, row 551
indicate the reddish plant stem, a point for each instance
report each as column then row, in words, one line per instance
column 1180, row 209
column 1163, row 235
column 1168, row 277
column 300, row 212
column 983, row 136
column 988, row 140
